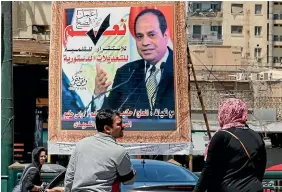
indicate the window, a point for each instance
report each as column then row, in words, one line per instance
column 214, row 28
column 237, row 9
column 215, row 7
column 257, row 30
column 197, row 31
column 235, row 29
column 275, row 38
column 280, row 59
column 40, row 29
column 275, row 16
column 257, row 52
column 197, row 6
column 275, row 60
column 162, row 173
column 280, row 37
column 258, row 8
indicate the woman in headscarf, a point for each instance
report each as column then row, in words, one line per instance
column 32, row 180
column 235, row 158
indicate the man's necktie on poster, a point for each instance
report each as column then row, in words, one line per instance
column 152, row 85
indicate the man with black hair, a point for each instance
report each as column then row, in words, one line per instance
column 152, row 82
column 98, row 163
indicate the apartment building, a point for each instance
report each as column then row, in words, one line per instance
column 275, row 28
column 31, row 20
column 245, row 25
column 235, row 23
column 256, row 26
column 233, row 45
column 204, row 22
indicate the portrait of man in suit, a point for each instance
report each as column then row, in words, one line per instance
column 149, row 81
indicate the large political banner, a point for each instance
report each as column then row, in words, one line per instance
column 128, row 56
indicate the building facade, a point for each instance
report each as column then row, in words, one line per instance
column 275, row 26
column 205, row 22
column 234, row 46
column 32, row 20
column 256, row 26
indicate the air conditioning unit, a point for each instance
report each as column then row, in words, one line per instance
column 266, row 76
column 241, row 77
column 214, row 33
column 260, row 76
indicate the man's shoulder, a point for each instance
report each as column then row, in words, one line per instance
column 85, row 140
column 131, row 65
column 119, row 151
column 120, row 148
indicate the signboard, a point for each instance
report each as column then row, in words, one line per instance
column 107, row 55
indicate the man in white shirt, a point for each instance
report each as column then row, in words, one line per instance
column 99, row 163
column 147, row 83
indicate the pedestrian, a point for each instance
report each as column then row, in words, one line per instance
column 32, row 180
column 235, row 158
column 99, row 163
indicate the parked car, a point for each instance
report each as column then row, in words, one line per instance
column 152, row 175
column 48, row 168
column 48, row 172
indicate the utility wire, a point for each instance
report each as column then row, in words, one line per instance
column 230, row 92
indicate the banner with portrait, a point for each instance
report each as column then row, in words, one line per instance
column 102, row 56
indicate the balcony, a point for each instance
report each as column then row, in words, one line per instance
column 277, row 65
column 277, row 18
column 205, row 15
column 277, row 61
column 277, row 40
column 205, row 39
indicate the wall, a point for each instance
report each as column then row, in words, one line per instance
column 28, row 13
column 277, row 8
column 248, row 20
column 277, row 30
column 206, row 26
column 214, row 92
column 213, row 55
column 277, row 52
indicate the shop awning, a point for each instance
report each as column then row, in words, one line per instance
column 30, row 51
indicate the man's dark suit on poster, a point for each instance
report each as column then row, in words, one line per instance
column 135, row 89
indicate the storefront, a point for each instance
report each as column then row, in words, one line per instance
column 30, row 80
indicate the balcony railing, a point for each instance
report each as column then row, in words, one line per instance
column 277, row 38
column 277, row 16
column 205, row 13
column 205, row 39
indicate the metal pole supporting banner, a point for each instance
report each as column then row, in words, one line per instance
column 7, row 101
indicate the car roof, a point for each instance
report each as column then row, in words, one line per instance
column 48, row 167
column 152, row 162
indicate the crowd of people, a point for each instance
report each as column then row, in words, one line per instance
column 235, row 158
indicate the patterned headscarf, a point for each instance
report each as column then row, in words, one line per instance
column 231, row 113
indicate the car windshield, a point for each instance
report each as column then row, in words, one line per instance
column 162, row 173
